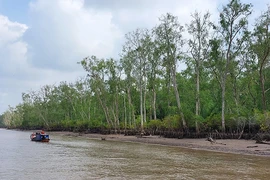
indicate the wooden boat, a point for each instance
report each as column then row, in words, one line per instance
column 41, row 137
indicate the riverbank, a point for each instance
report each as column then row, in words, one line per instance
column 247, row 147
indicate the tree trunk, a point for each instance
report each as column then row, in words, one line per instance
column 144, row 106
column 115, row 121
column 236, row 97
column 223, row 84
column 154, row 104
column 125, row 112
column 105, row 110
column 197, row 95
column 89, row 110
column 262, row 89
column 117, row 108
column 131, row 109
column 141, row 95
column 141, row 106
column 178, row 100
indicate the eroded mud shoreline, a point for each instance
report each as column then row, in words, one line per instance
column 247, row 147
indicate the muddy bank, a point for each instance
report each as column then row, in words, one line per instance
column 248, row 147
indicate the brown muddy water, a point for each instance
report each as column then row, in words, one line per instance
column 66, row 157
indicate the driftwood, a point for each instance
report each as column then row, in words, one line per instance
column 262, row 142
column 212, row 141
column 141, row 135
column 252, row 146
column 260, row 139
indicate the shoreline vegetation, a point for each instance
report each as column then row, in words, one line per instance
column 234, row 146
column 222, row 94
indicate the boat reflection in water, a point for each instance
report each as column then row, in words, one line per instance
column 40, row 136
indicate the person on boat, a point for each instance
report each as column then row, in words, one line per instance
column 42, row 132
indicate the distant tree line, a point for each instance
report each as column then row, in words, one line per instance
column 225, row 86
column 2, row 125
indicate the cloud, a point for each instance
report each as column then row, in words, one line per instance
column 2, row 98
column 141, row 13
column 13, row 49
column 59, row 33
column 63, row 32
column 13, row 53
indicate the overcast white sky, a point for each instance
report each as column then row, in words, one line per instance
column 41, row 40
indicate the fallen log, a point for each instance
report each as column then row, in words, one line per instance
column 213, row 141
column 262, row 142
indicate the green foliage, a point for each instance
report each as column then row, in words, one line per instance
column 155, row 124
column 263, row 119
column 2, row 121
column 97, row 124
column 81, row 125
column 172, row 122
column 213, row 122
column 226, row 64
column 68, row 124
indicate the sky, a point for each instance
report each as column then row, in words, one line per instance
column 41, row 41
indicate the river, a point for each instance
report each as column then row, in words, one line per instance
column 67, row 157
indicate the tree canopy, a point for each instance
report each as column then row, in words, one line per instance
column 224, row 87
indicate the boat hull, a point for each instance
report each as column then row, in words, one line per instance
column 40, row 137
